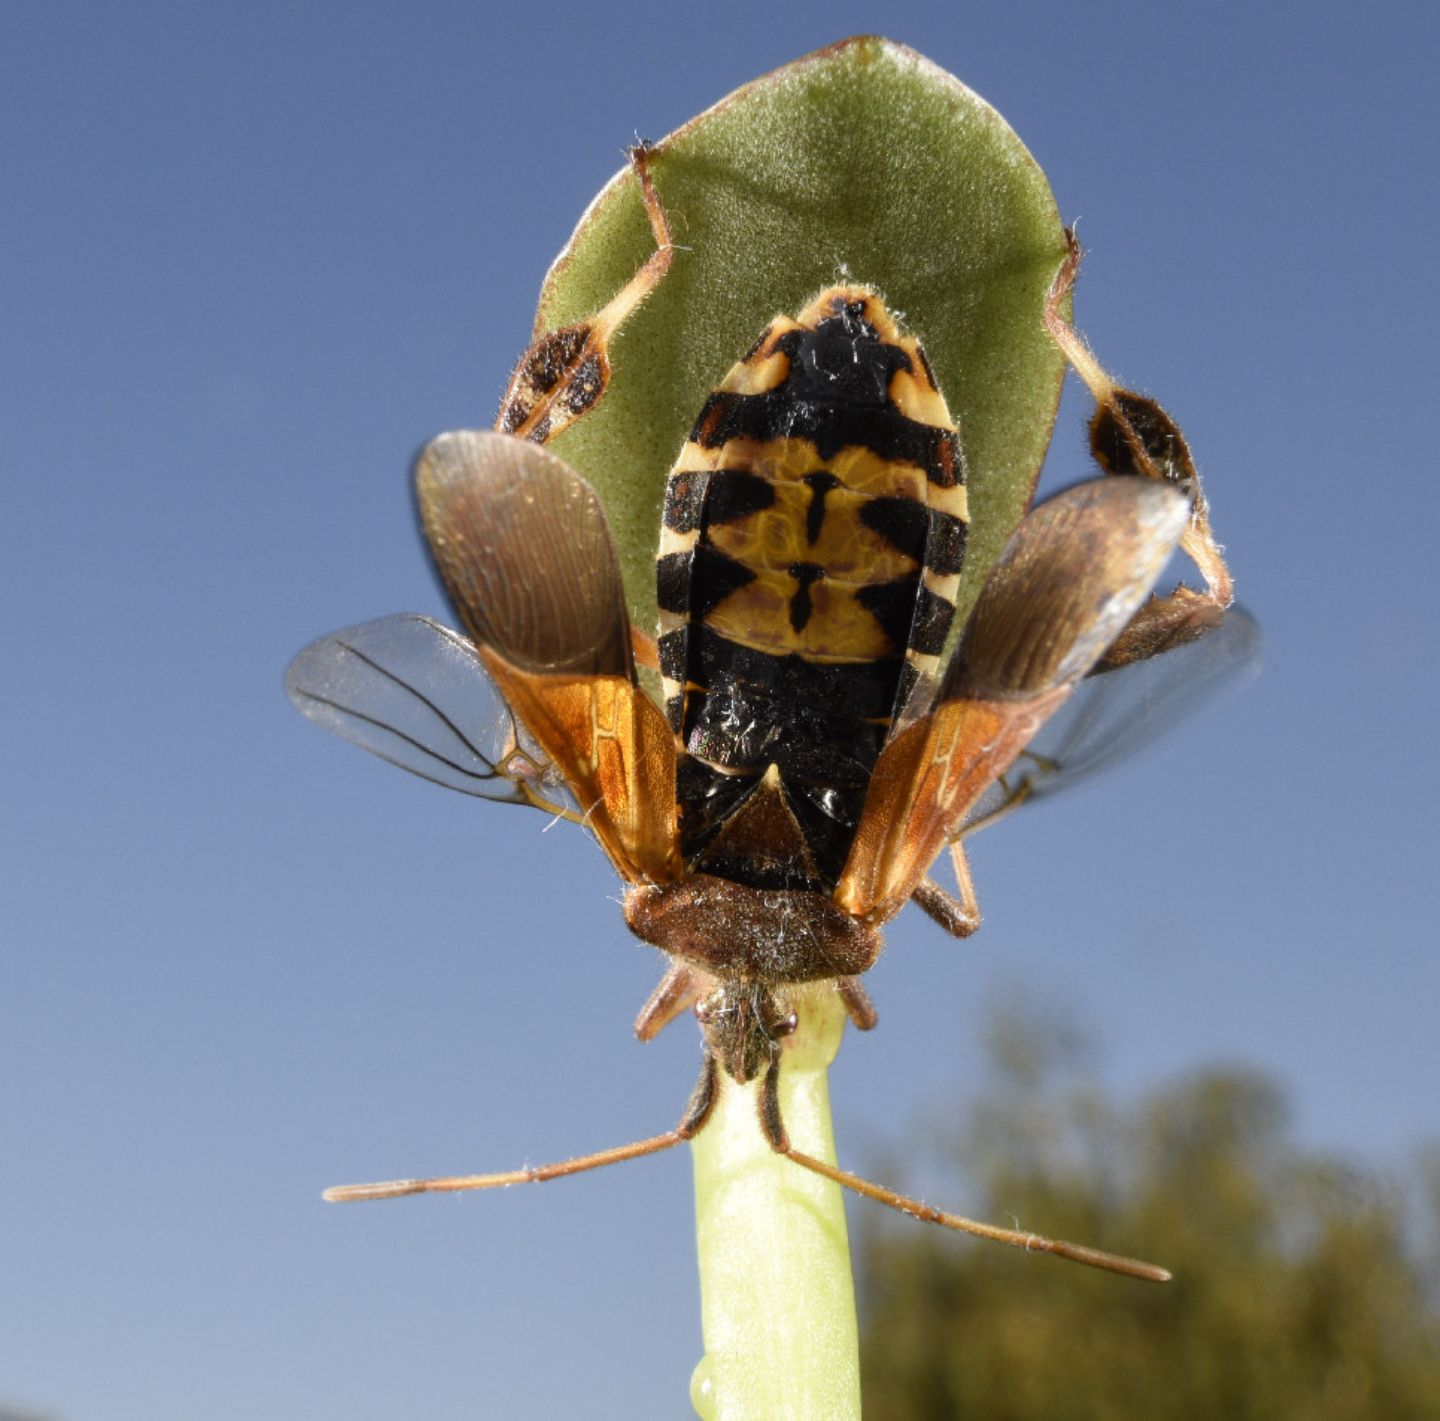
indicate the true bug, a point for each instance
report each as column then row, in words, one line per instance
column 824, row 737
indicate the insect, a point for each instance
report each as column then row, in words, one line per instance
column 824, row 736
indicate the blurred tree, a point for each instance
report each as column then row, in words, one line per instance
column 1297, row 1292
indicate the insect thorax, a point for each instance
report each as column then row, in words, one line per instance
column 812, row 538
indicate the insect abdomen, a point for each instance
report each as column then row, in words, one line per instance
column 813, row 532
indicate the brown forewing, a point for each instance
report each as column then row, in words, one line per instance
column 521, row 543
column 617, row 753
column 924, row 783
column 522, row 546
column 1070, row 578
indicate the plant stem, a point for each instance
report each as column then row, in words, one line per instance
column 777, row 1298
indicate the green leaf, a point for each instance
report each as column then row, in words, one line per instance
column 860, row 162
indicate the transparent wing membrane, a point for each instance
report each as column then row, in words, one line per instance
column 1116, row 714
column 416, row 694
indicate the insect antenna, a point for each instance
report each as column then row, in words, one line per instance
column 775, row 1133
column 697, row 1112
column 530, row 1174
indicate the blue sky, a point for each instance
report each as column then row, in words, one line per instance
column 252, row 258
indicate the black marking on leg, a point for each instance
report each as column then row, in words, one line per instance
column 541, row 369
column 553, row 355
column 585, row 385
column 1152, row 436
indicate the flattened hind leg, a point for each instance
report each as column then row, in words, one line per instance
column 1131, row 434
column 565, row 371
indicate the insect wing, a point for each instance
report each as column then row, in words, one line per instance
column 417, row 694
column 1071, row 576
column 523, row 549
column 522, row 545
column 1114, row 715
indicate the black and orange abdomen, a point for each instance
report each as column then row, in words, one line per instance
column 813, row 533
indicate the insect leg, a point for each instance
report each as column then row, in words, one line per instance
column 565, row 371
column 644, row 649
column 958, row 916
column 696, row 1113
column 1131, row 434
column 677, row 991
column 858, row 1006
column 613, row 315
column 775, row 1133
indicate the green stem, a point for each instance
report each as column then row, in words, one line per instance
column 777, row 1300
